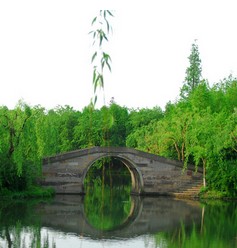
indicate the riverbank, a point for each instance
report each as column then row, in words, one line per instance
column 39, row 192
column 32, row 192
column 215, row 195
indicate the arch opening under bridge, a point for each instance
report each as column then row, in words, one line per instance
column 135, row 174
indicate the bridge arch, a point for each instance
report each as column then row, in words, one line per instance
column 136, row 176
column 150, row 174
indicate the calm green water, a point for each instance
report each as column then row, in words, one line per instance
column 108, row 216
column 113, row 218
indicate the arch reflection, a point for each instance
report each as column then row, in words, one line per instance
column 107, row 203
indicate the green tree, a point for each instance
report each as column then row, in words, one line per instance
column 118, row 130
column 48, row 133
column 224, row 95
column 193, row 72
column 67, row 118
column 222, row 176
column 174, row 133
column 103, row 127
column 55, row 130
column 138, row 126
column 19, row 163
column 142, row 117
column 88, row 131
column 166, row 135
column 137, row 139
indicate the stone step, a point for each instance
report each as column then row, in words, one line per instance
column 182, row 195
column 192, row 182
column 189, row 190
column 190, row 186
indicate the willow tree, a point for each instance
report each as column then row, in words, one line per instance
column 19, row 160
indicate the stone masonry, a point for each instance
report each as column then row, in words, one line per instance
column 151, row 174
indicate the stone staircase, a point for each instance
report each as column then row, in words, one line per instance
column 190, row 189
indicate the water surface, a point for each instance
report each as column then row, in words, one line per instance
column 108, row 216
column 113, row 218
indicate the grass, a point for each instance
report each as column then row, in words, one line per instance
column 32, row 192
column 212, row 194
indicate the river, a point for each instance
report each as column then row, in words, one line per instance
column 113, row 218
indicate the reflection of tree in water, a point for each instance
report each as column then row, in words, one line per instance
column 20, row 227
column 107, row 202
column 217, row 229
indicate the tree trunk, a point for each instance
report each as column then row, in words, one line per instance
column 177, row 149
column 204, row 173
column 8, row 237
column 183, row 147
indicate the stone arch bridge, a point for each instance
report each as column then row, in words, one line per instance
column 150, row 174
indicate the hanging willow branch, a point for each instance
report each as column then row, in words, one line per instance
column 100, row 59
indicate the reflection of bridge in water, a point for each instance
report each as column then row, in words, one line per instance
column 148, row 215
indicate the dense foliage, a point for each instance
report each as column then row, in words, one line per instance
column 200, row 128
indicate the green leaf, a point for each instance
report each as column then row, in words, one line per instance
column 105, row 37
column 95, row 99
column 94, row 75
column 94, row 34
column 102, row 81
column 101, row 38
column 108, row 26
column 102, row 64
column 108, row 65
column 94, row 20
column 93, row 57
column 95, row 84
column 98, row 81
column 109, row 13
column 106, row 56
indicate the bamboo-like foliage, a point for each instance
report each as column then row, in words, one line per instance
column 100, row 59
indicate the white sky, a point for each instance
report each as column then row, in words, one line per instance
column 45, row 50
